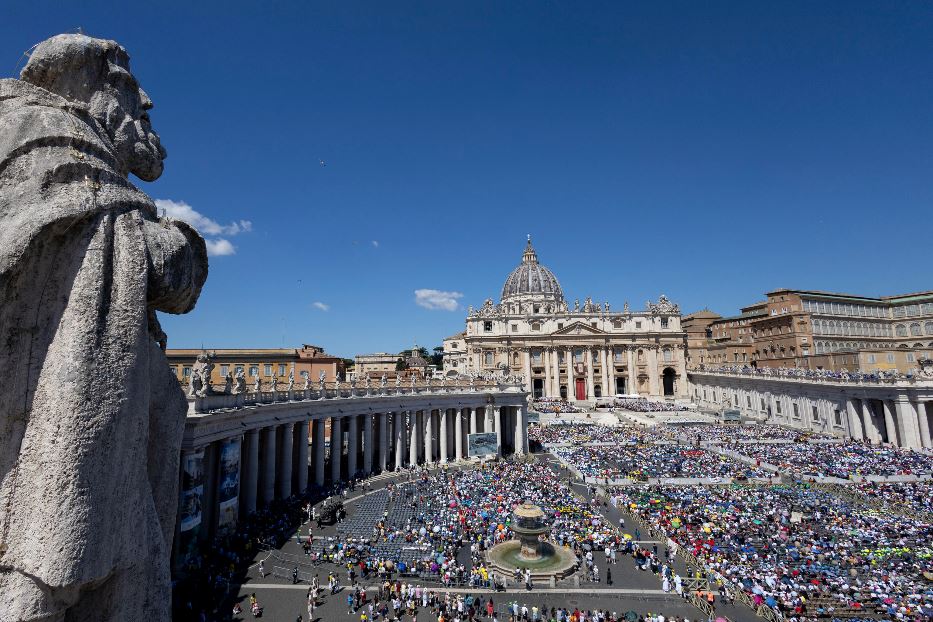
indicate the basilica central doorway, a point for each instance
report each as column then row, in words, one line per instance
column 581, row 389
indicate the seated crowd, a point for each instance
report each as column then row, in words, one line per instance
column 641, row 405
column 585, row 433
column 808, row 374
column 837, row 460
column 762, row 431
column 554, row 405
column 804, row 552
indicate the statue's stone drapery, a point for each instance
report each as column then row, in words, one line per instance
column 90, row 416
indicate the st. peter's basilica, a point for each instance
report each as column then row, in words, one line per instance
column 579, row 352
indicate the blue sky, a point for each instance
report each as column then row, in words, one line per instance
column 709, row 151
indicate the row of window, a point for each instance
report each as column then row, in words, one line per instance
column 843, row 308
column 854, row 329
column 901, row 330
column 537, row 358
column 720, row 396
column 253, row 370
column 914, row 309
column 536, row 326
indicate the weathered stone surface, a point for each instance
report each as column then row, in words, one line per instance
column 90, row 416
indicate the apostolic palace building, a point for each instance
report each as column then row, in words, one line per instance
column 578, row 352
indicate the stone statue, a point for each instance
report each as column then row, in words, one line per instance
column 195, row 386
column 91, row 417
column 239, row 382
column 384, row 381
column 204, row 366
column 576, row 304
column 413, row 381
column 320, row 380
column 291, row 381
column 606, row 307
column 352, row 381
column 228, row 383
column 398, row 380
column 257, row 384
column 625, row 308
column 307, row 376
column 274, row 383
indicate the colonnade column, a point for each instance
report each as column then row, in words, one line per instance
column 921, row 408
column 302, row 444
column 497, row 425
column 268, row 465
column 472, row 420
column 284, row 463
column 353, row 445
column 519, row 430
column 444, row 413
column 413, row 438
column 893, row 437
column 907, row 417
column 383, row 456
column 336, row 448
column 871, row 429
column 398, row 421
column 458, row 432
column 368, row 443
column 319, row 432
column 527, row 369
column 250, row 472
column 428, row 434
column 855, row 425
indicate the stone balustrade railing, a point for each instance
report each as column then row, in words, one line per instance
column 211, row 402
column 817, row 377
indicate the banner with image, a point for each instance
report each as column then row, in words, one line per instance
column 229, row 484
column 481, row 444
column 189, row 507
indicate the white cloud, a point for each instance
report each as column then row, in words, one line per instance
column 219, row 247
column 321, row 306
column 216, row 246
column 436, row 299
column 376, row 243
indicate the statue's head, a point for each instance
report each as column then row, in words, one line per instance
column 96, row 72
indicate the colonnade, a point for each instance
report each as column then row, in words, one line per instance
column 229, row 473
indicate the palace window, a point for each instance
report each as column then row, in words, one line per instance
column 901, row 330
column 186, row 372
column 238, row 369
column 560, row 358
column 536, row 357
column 663, row 322
column 668, row 356
column 514, row 328
column 796, row 411
column 915, row 329
column 254, row 370
column 281, row 370
column 224, row 370
column 560, row 325
column 267, row 369
column 928, row 328
column 641, row 356
column 578, row 356
column 487, row 358
column 535, row 326
column 617, row 356
column 487, row 326
column 638, row 325
column 617, row 323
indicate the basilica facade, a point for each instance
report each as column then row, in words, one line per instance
column 578, row 352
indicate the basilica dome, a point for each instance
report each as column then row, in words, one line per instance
column 530, row 280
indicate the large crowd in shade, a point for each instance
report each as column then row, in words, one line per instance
column 913, row 498
column 761, row 431
column 804, row 552
column 585, row 433
column 846, row 460
column 554, row 405
column 644, row 461
column 809, row 374
column 642, row 405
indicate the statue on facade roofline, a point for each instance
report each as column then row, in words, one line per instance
column 194, row 383
column 307, row 376
column 274, row 384
column 291, row 381
column 398, row 380
column 625, row 308
column 228, row 383
column 257, row 384
column 384, row 381
column 239, row 382
column 85, row 264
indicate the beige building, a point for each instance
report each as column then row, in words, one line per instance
column 264, row 363
column 374, row 364
column 580, row 351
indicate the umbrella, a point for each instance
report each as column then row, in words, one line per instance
column 631, row 616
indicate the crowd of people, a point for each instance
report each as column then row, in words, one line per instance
column 647, row 460
column 763, row 431
column 585, row 433
column 554, row 405
column 913, row 498
column 840, row 460
column 642, row 405
column 802, row 373
column 801, row 551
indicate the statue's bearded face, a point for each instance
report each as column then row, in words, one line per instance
column 123, row 108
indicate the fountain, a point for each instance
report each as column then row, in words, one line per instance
column 528, row 550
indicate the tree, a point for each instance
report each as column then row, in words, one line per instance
column 401, row 364
column 437, row 359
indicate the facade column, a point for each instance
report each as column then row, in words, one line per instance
column 413, row 438
column 610, row 373
column 250, row 472
column 458, row 433
column 336, row 448
column 497, row 425
column 285, row 442
column 555, row 362
column 443, row 413
column 526, row 360
column 604, row 367
column 871, row 429
column 268, row 465
column 571, row 383
column 653, row 387
column 590, row 374
column 907, row 417
column 320, row 430
column 921, row 408
column 398, row 422
column 519, row 430
column 383, row 441
column 893, row 436
column 353, row 445
column 472, row 420
column 546, row 361
column 631, row 384
column 368, row 443
column 301, row 444
column 855, row 424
